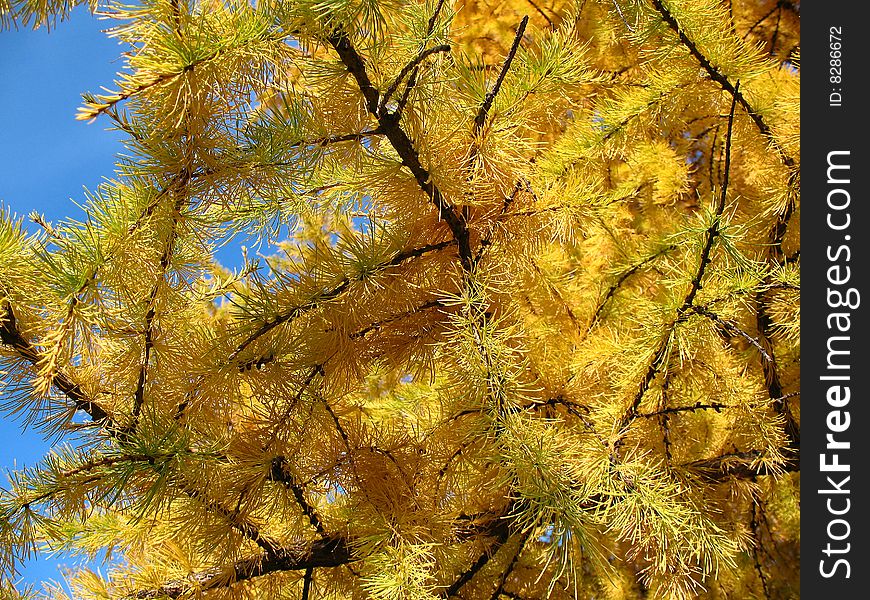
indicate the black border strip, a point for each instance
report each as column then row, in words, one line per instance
column 835, row 301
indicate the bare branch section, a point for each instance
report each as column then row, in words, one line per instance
column 389, row 124
column 298, row 556
column 480, row 118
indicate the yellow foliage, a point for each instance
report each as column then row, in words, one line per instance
column 530, row 329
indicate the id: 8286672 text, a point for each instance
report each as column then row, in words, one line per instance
column 835, row 65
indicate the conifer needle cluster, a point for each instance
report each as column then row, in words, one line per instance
column 519, row 320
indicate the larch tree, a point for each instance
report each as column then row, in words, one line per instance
column 523, row 321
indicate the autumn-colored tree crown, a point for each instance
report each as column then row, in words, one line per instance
column 520, row 318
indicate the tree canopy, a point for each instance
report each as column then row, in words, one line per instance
column 520, row 318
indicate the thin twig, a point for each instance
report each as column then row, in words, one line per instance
column 722, row 80
column 618, row 283
column 540, row 11
column 732, row 328
column 411, row 66
column 330, row 293
column 306, row 582
column 403, row 146
column 661, row 351
column 10, row 335
column 717, row 406
column 477, row 565
column 480, row 118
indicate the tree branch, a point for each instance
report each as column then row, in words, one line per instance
column 712, row 233
column 722, row 80
column 737, row 465
column 717, row 406
column 618, row 283
column 480, row 118
column 165, row 260
column 11, row 336
column 733, row 329
column 301, row 555
column 502, row 533
column 510, row 567
column 403, row 146
column 280, row 473
column 330, row 293
column 330, row 551
column 411, row 66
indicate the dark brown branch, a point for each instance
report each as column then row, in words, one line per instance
column 510, row 567
column 736, row 464
column 661, row 352
column 411, row 66
column 322, row 142
column 165, row 260
column 108, row 103
column 771, row 375
column 758, row 544
column 403, row 146
column 330, row 551
column 480, row 118
column 279, row 472
column 336, row 139
column 665, row 422
column 312, row 373
column 776, row 7
column 540, row 11
column 333, row 550
column 300, row 555
column 306, row 582
column 722, row 80
column 391, row 319
column 412, row 79
column 775, row 31
column 246, row 528
column 501, row 536
column 656, row 364
column 713, row 231
column 11, row 336
column 430, row 26
column 717, row 406
column 733, row 329
column 487, row 239
column 102, row 104
column 764, row 325
column 618, row 283
column 330, row 293
column 338, row 427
